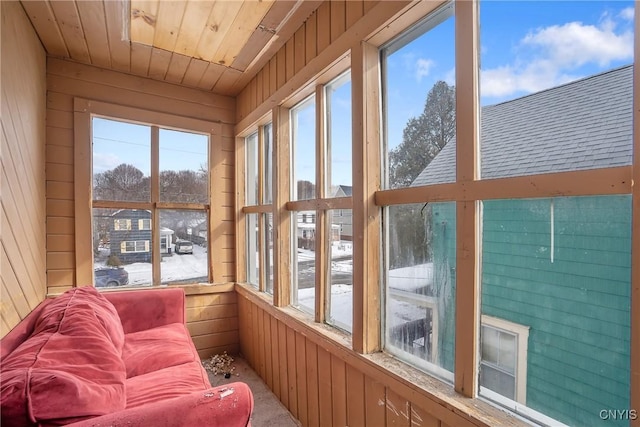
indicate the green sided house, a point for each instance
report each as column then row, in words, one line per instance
column 555, row 272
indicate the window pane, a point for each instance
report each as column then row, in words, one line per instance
column 498, row 381
column 562, row 267
column 490, row 345
column 419, row 103
column 340, row 309
column 121, row 161
column 339, row 137
column 268, row 267
column 304, row 261
column 556, row 86
column 268, row 162
column 420, row 278
column 303, row 123
column 184, row 167
column 253, row 256
column 183, row 246
column 252, row 169
column 121, row 256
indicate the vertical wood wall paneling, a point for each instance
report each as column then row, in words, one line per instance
column 292, row 375
column 374, row 401
column 338, row 391
column 323, row 27
column 397, row 410
column 311, row 37
column 313, row 409
column 275, row 358
column 22, row 220
column 324, row 387
column 467, row 293
column 300, row 44
column 355, row 393
column 338, row 19
column 283, row 365
column 268, row 356
column 301, row 386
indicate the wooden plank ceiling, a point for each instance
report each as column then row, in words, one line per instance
column 212, row 45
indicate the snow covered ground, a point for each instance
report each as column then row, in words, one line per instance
column 173, row 268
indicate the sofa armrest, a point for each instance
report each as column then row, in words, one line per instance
column 230, row 405
column 144, row 309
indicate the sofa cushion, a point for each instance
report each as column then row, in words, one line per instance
column 69, row 369
column 166, row 383
column 158, row 348
column 87, row 295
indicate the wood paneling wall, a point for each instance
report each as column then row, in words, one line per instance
column 23, row 177
column 66, row 80
column 322, row 382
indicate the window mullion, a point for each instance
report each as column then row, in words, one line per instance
column 467, row 212
column 281, row 216
column 321, row 215
column 155, row 197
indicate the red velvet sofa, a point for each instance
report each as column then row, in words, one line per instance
column 121, row 358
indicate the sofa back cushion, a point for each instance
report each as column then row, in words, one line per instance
column 70, row 367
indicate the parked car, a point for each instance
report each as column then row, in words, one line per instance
column 111, row 276
column 183, row 247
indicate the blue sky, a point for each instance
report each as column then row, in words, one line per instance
column 116, row 142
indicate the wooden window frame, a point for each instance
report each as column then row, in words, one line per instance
column 467, row 191
column 84, row 111
column 260, row 208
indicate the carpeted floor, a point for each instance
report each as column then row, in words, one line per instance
column 267, row 411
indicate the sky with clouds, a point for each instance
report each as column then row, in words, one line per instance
column 526, row 46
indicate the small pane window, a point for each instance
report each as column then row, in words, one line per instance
column 121, row 224
column 144, row 224
column 184, row 167
column 121, row 161
column 252, row 169
column 183, row 246
column 338, row 142
column 420, row 285
column 303, row 118
column 304, row 254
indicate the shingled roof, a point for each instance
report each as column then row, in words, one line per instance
column 585, row 124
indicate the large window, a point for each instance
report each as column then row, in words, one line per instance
column 322, row 247
column 143, row 174
column 259, row 218
column 420, row 242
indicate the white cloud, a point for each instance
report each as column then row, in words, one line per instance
column 551, row 56
column 423, row 68
column 450, row 77
column 627, row 13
